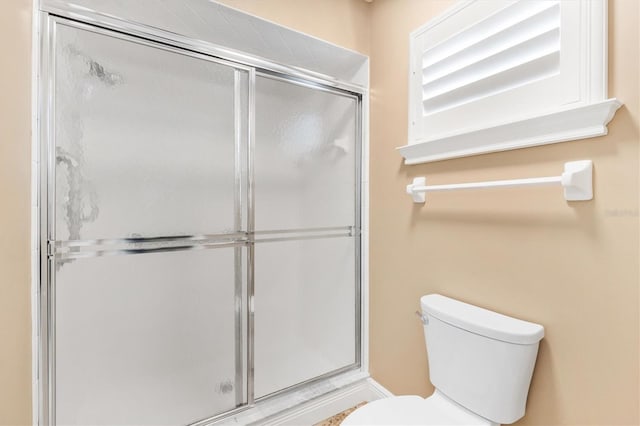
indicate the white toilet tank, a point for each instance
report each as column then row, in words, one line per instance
column 480, row 359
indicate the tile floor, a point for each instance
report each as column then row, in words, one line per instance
column 338, row 418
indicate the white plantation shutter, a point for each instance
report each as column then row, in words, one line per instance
column 489, row 64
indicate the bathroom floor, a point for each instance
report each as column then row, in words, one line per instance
column 338, row 418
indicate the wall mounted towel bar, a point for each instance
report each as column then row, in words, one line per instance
column 576, row 180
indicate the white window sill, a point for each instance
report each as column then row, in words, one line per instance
column 559, row 126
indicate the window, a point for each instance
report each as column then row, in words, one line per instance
column 494, row 75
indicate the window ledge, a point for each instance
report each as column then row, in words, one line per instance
column 564, row 125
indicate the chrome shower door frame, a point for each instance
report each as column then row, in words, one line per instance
column 243, row 239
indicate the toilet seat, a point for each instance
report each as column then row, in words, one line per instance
column 436, row 410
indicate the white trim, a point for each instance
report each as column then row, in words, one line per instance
column 381, row 390
column 364, row 229
column 557, row 62
column 448, row 13
column 560, row 126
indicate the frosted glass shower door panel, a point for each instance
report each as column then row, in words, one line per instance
column 145, row 138
column 146, row 339
column 305, row 157
column 305, row 310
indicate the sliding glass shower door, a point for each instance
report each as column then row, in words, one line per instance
column 306, row 225
column 148, row 155
column 202, row 231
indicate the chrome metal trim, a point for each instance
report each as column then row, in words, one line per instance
column 43, row 280
column 142, row 245
column 239, row 380
column 51, row 333
column 48, row 189
column 358, row 226
column 151, row 33
column 237, row 255
column 143, row 240
column 102, row 253
column 238, row 142
column 77, row 249
column 145, row 41
column 245, row 178
column 51, row 131
column 306, row 83
column 305, row 230
column 305, row 238
column 251, row 220
column 193, row 238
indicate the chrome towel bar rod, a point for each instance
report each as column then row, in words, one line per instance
column 576, row 181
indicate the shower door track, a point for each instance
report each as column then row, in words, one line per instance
column 142, row 31
column 50, row 249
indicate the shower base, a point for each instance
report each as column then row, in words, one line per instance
column 311, row 404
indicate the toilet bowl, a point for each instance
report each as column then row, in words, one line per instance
column 480, row 362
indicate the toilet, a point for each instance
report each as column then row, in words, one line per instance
column 480, row 363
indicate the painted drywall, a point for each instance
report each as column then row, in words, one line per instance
column 342, row 22
column 524, row 252
column 15, row 160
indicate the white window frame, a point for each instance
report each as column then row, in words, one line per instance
column 569, row 105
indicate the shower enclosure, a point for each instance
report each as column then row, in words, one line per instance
column 200, row 230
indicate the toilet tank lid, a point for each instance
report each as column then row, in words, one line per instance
column 481, row 321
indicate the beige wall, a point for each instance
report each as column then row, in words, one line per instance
column 15, row 193
column 526, row 253
column 15, row 157
column 342, row 22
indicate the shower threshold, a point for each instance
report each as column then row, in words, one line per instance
column 308, row 404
